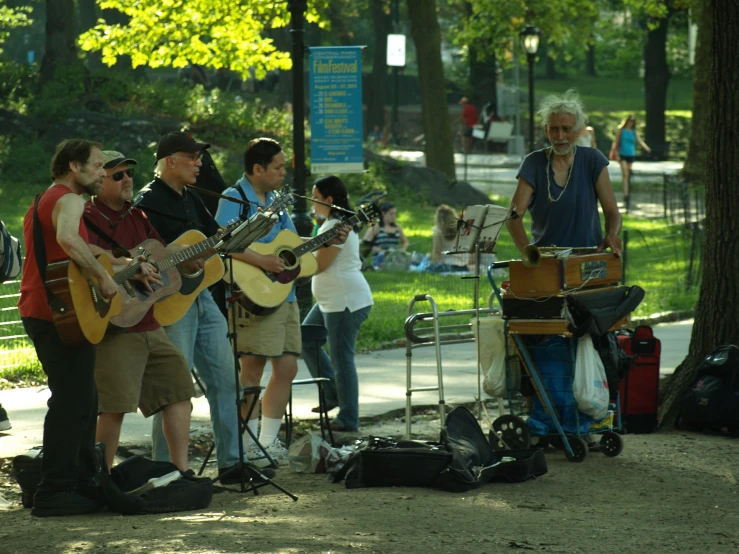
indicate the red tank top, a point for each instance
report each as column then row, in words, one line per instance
column 33, row 302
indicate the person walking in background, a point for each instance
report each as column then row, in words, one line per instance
column 384, row 235
column 624, row 147
column 343, row 303
column 587, row 136
column 470, row 117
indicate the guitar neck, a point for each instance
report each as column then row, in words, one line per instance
column 126, row 273
column 320, row 240
column 200, row 250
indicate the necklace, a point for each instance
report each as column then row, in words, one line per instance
column 569, row 174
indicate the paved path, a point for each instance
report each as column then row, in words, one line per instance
column 382, row 387
column 496, row 173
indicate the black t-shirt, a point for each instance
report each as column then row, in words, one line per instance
column 173, row 214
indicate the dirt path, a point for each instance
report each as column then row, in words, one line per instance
column 667, row 492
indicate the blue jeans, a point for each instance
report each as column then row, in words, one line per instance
column 202, row 336
column 343, row 389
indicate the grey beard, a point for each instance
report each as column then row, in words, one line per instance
column 563, row 152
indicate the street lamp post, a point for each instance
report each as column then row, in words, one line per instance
column 530, row 38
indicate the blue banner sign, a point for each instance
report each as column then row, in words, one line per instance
column 336, row 109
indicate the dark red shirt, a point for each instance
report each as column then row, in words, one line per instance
column 129, row 232
column 33, row 301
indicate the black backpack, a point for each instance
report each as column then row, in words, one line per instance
column 712, row 401
column 129, row 490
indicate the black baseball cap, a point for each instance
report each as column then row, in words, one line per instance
column 178, row 141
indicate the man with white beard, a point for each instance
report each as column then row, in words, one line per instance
column 562, row 185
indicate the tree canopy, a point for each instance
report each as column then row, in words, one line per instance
column 12, row 18
column 213, row 33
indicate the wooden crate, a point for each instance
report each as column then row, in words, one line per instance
column 555, row 275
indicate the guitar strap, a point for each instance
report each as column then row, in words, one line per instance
column 243, row 197
column 39, row 250
column 118, row 250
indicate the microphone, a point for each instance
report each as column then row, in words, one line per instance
column 135, row 202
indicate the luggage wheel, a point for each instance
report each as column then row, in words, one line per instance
column 510, row 432
column 611, row 444
column 579, row 449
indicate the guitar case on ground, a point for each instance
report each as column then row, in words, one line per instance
column 462, row 460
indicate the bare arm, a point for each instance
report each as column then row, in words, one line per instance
column 370, row 236
column 521, row 199
column 403, row 238
column 65, row 217
column 607, row 200
column 640, row 141
column 436, row 246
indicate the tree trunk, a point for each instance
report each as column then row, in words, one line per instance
column 551, row 68
column 695, row 164
column 656, row 79
column 717, row 311
column 434, row 108
column 483, row 78
column 61, row 49
column 376, row 98
column 88, row 19
column 590, row 61
column 483, row 70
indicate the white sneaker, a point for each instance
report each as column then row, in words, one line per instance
column 278, row 453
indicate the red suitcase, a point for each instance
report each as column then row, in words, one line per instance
column 640, row 388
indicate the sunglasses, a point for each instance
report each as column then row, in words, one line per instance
column 195, row 156
column 118, row 175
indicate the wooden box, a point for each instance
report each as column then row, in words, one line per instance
column 555, row 275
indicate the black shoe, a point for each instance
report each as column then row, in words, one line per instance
column 67, row 503
column 230, row 475
column 329, row 407
column 4, row 420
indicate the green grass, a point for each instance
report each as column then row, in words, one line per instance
column 611, row 94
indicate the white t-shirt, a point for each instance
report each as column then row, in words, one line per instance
column 342, row 285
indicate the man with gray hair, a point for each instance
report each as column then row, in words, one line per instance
column 202, row 333
column 561, row 186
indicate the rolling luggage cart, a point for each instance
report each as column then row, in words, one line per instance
column 549, row 364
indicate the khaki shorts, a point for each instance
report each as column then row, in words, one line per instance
column 140, row 370
column 269, row 336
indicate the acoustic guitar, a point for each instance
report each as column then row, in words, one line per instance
column 238, row 235
column 88, row 311
column 262, row 292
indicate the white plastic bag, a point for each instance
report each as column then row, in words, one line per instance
column 590, row 386
column 492, row 355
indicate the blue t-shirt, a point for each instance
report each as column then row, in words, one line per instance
column 230, row 211
column 627, row 144
column 572, row 220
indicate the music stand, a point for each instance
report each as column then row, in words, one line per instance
column 242, row 426
column 478, row 232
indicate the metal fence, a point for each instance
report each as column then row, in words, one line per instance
column 16, row 350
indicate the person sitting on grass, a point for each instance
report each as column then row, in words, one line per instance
column 384, row 235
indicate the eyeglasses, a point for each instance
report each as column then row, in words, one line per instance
column 194, row 157
column 118, row 175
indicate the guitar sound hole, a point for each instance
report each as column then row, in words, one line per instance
column 289, row 258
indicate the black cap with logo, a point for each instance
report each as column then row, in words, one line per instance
column 178, row 141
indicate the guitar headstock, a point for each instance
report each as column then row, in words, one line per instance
column 367, row 212
column 283, row 199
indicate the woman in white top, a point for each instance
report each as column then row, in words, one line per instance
column 343, row 303
column 587, row 136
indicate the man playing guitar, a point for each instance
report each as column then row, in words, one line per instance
column 275, row 336
column 202, row 333
column 138, row 367
column 68, row 463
